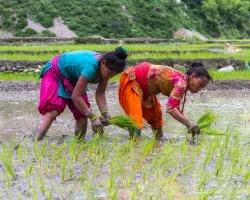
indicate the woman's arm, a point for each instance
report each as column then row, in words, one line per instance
column 83, row 107
column 176, row 114
column 79, row 89
column 100, row 95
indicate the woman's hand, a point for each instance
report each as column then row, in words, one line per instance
column 96, row 123
column 105, row 118
column 97, row 126
column 193, row 128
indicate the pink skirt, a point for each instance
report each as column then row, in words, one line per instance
column 49, row 99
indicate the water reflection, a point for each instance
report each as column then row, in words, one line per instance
column 18, row 113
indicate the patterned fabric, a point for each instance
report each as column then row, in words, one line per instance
column 161, row 79
column 132, row 105
column 49, row 99
column 72, row 65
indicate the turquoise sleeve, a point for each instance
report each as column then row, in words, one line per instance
column 89, row 71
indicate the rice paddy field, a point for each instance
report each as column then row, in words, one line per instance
column 113, row 167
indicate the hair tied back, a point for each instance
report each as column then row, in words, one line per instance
column 197, row 64
column 121, row 53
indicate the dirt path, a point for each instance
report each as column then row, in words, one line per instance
column 32, row 86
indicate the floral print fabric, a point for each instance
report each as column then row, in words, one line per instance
column 165, row 80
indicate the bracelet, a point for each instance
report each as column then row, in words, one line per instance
column 104, row 111
column 93, row 118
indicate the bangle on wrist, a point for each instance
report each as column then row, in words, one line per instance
column 104, row 111
column 93, row 118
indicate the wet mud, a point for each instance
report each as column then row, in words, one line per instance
column 33, row 86
column 90, row 177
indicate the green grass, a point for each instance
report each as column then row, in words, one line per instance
column 31, row 76
column 110, row 47
column 242, row 55
column 24, row 76
column 233, row 75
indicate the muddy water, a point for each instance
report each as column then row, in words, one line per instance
column 18, row 116
column 18, row 113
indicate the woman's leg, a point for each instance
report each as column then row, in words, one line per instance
column 81, row 120
column 154, row 117
column 81, row 127
column 158, row 133
column 50, row 104
column 44, row 124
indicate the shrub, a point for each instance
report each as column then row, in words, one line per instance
column 21, row 24
column 47, row 33
column 28, row 32
column 44, row 20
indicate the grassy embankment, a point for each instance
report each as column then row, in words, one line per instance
column 136, row 52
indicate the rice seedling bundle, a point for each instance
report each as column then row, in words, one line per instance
column 205, row 122
column 123, row 121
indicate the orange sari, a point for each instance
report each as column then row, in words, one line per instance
column 171, row 82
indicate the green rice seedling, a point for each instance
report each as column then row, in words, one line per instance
column 34, row 195
column 205, row 195
column 87, row 188
column 49, row 196
column 209, row 154
column 209, row 131
column 205, row 122
column 7, row 161
column 219, row 163
column 58, row 150
column 39, row 154
column 35, row 149
column 82, row 176
column 123, row 121
column 41, row 182
column 19, row 196
column 147, row 146
column 184, row 148
column 43, row 149
column 236, row 155
column 129, row 179
column 75, row 149
column 187, row 168
column 246, row 178
column 172, row 177
column 28, row 170
column 21, row 152
column 225, row 143
column 71, row 170
column 63, row 164
column 202, row 180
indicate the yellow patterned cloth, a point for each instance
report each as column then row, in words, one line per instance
column 161, row 79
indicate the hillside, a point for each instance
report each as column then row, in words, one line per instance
column 127, row 18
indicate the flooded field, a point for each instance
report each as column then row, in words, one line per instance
column 18, row 112
column 113, row 167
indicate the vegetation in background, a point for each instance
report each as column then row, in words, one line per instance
column 130, row 18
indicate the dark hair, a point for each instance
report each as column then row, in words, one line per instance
column 115, row 60
column 199, row 69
